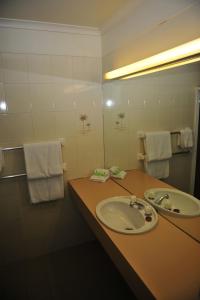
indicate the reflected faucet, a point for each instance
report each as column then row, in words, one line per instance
column 160, row 200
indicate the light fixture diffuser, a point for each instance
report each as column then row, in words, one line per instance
column 183, row 54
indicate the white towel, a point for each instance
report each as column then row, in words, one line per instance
column 158, row 150
column 100, row 175
column 1, row 160
column 46, row 189
column 185, row 138
column 158, row 169
column 44, row 171
column 158, row 145
column 43, row 159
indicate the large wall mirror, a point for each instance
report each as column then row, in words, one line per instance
column 159, row 101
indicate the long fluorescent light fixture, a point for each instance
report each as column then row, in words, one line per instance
column 183, row 54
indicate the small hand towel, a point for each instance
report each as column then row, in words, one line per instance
column 44, row 171
column 1, row 160
column 100, row 175
column 185, row 138
column 46, row 189
column 43, row 159
column 158, row 145
column 116, row 172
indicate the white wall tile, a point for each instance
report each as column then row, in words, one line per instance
column 16, row 127
column 18, row 98
column 66, row 123
column 44, row 124
column 61, row 67
column 15, row 68
column 40, row 69
column 64, row 96
column 87, row 69
column 42, row 97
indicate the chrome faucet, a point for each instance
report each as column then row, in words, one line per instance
column 160, row 200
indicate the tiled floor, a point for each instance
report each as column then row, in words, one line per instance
column 77, row 273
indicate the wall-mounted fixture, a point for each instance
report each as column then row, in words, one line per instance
column 120, row 122
column 178, row 56
column 86, row 126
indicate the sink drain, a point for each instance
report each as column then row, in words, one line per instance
column 128, row 228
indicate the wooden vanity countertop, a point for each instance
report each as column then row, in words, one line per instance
column 161, row 264
column 137, row 182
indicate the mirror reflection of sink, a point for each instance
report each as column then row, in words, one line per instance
column 173, row 202
column 127, row 214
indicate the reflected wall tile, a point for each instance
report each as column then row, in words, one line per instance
column 39, row 67
column 15, row 68
column 17, row 98
column 44, row 124
column 41, row 97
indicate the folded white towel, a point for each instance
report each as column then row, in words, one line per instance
column 1, row 160
column 158, row 145
column 100, row 175
column 185, row 138
column 158, row 169
column 44, row 169
column 43, row 159
column 41, row 190
column 116, row 172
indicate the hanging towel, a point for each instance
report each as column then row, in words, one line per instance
column 185, row 138
column 158, row 169
column 43, row 159
column 1, row 160
column 158, row 151
column 44, row 171
column 46, row 189
column 158, row 145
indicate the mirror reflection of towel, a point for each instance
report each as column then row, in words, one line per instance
column 158, row 150
column 185, row 138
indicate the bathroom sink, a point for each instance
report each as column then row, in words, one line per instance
column 127, row 214
column 173, row 202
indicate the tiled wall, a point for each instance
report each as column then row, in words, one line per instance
column 162, row 101
column 46, row 87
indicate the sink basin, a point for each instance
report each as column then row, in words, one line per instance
column 127, row 214
column 174, row 202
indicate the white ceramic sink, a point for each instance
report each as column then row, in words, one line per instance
column 127, row 214
column 175, row 202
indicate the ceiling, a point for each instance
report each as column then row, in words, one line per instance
column 94, row 13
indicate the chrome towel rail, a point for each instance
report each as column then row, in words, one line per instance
column 12, row 148
column 62, row 141
column 14, row 175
